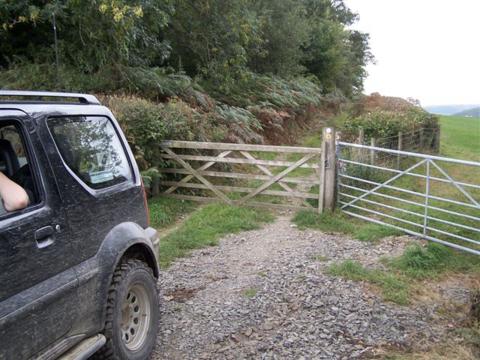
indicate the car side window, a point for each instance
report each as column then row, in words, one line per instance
column 91, row 148
column 15, row 164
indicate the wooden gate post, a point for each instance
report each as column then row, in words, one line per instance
column 328, row 164
column 360, row 153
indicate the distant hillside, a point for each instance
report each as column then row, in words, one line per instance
column 449, row 109
column 474, row 112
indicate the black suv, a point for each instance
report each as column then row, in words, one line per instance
column 78, row 266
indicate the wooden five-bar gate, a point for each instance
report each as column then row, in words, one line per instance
column 250, row 175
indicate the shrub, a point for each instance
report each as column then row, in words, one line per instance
column 382, row 124
column 146, row 124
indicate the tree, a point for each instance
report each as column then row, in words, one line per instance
column 335, row 55
column 284, row 29
column 211, row 38
column 91, row 33
column 135, row 45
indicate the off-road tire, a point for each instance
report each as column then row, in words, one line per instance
column 137, row 273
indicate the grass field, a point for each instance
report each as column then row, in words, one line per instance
column 460, row 137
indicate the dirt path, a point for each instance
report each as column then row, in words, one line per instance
column 264, row 294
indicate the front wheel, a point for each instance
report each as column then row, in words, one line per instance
column 132, row 313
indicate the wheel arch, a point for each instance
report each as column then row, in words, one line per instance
column 141, row 252
column 127, row 240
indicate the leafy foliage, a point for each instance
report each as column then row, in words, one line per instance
column 92, row 34
column 381, row 124
column 206, row 70
column 146, row 124
column 154, row 48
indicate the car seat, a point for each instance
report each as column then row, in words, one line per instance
column 8, row 158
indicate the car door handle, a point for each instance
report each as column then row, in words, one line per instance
column 44, row 236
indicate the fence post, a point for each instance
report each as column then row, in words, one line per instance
column 372, row 152
column 361, row 136
column 359, row 153
column 328, row 165
column 399, row 148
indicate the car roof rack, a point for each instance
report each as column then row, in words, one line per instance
column 42, row 97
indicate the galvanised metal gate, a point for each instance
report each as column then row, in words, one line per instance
column 429, row 196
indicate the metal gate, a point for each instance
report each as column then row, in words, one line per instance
column 429, row 196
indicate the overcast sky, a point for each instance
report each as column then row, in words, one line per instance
column 426, row 49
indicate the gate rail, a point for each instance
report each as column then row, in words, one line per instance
column 197, row 170
column 355, row 193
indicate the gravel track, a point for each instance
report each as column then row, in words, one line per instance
column 264, row 294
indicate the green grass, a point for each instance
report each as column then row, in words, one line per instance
column 340, row 223
column 264, row 155
column 312, row 140
column 460, row 137
column 419, row 262
column 250, row 293
column 416, row 263
column 394, row 288
column 206, row 225
column 165, row 211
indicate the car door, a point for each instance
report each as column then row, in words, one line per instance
column 37, row 284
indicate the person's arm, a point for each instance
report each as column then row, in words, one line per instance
column 14, row 196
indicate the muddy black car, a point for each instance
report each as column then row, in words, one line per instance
column 78, row 267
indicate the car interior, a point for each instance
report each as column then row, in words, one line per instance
column 14, row 160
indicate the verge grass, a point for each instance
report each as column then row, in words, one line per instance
column 165, row 211
column 338, row 222
column 206, row 225
column 433, row 260
column 394, row 288
column 416, row 263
